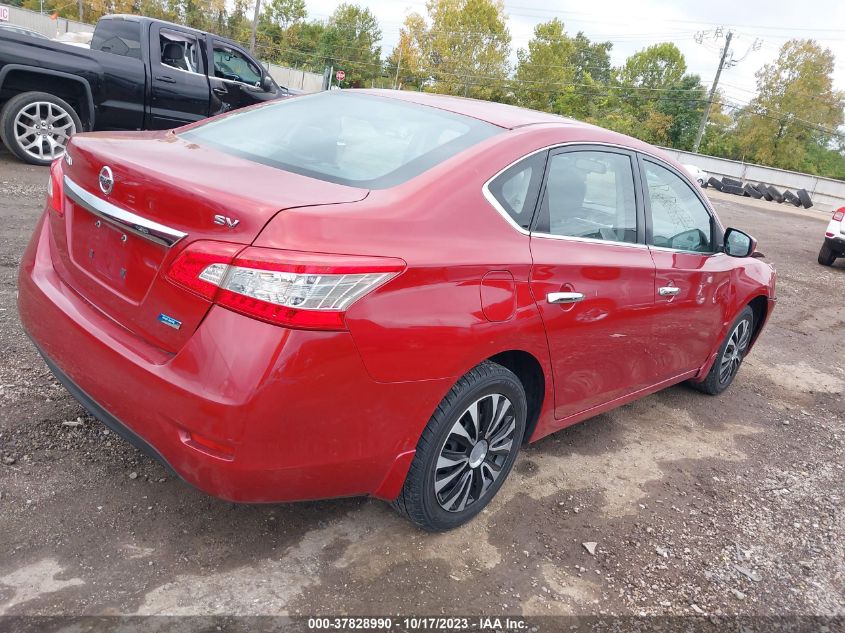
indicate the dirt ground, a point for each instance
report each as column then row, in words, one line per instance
column 726, row 505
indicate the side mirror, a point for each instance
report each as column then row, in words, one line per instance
column 739, row 244
column 267, row 84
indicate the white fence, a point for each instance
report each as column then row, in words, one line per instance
column 43, row 24
column 297, row 79
column 827, row 194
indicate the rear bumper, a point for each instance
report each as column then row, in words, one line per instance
column 294, row 414
column 836, row 244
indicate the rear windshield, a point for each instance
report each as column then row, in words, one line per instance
column 351, row 139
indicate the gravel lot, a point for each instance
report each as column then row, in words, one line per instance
column 726, row 505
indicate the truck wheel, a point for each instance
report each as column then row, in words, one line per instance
column 36, row 126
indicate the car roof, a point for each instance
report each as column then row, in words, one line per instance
column 130, row 17
column 500, row 114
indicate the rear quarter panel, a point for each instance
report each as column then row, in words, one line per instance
column 429, row 323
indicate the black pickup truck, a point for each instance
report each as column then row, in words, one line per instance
column 139, row 74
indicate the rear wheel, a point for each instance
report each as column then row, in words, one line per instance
column 466, row 451
column 36, row 126
column 826, row 255
column 731, row 354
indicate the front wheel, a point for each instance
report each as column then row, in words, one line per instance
column 826, row 255
column 466, row 451
column 731, row 354
column 36, row 126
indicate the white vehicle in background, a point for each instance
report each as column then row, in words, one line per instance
column 698, row 174
column 834, row 239
column 81, row 38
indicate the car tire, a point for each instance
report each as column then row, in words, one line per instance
column 53, row 110
column 752, row 191
column 731, row 353
column 735, row 190
column 451, row 479
column 776, row 195
column 804, row 197
column 764, row 191
column 827, row 255
column 791, row 198
column 731, row 182
column 715, row 183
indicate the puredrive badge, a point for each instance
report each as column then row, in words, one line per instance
column 170, row 321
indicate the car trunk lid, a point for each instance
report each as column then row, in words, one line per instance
column 132, row 202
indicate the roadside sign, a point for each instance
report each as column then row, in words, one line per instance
column 340, row 75
column 4, row 14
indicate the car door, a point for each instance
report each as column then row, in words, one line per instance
column 179, row 91
column 235, row 78
column 692, row 280
column 593, row 276
column 121, row 94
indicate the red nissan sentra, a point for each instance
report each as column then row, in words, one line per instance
column 378, row 293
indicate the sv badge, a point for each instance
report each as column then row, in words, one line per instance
column 224, row 220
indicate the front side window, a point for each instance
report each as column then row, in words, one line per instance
column 516, row 188
column 347, row 138
column 679, row 219
column 118, row 36
column 590, row 194
column 179, row 51
column 232, row 64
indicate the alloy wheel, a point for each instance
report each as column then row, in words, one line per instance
column 734, row 351
column 42, row 130
column 474, row 453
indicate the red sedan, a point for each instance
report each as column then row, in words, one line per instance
column 378, row 293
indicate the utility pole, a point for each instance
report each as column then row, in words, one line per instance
column 80, row 10
column 254, row 26
column 398, row 64
column 706, row 115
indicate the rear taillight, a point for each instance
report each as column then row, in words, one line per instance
column 839, row 214
column 291, row 288
column 55, row 189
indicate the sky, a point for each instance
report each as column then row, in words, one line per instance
column 632, row 25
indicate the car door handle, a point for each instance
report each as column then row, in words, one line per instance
column 220, row 92
column 668, row 291
column 166, row 79
column 564, row 297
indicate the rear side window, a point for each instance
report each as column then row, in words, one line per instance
column 589, row 194
column 180, row 51
column 516, row 189
column 119, row 37
column 351, row 139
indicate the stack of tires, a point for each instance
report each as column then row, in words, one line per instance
column 800, row 198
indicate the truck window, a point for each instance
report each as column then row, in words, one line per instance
column 232, row 64
column 118, row 36
column 179, row 51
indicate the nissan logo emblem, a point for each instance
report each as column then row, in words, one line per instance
column 106, row 180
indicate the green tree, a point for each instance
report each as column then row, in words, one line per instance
column 545, row 70
column 657, row 66
column 561, row 74
column 685, row 104
column 467, row 45
column 285, row 13
column 350, row 42
column 796, row 111
column 407, row 62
